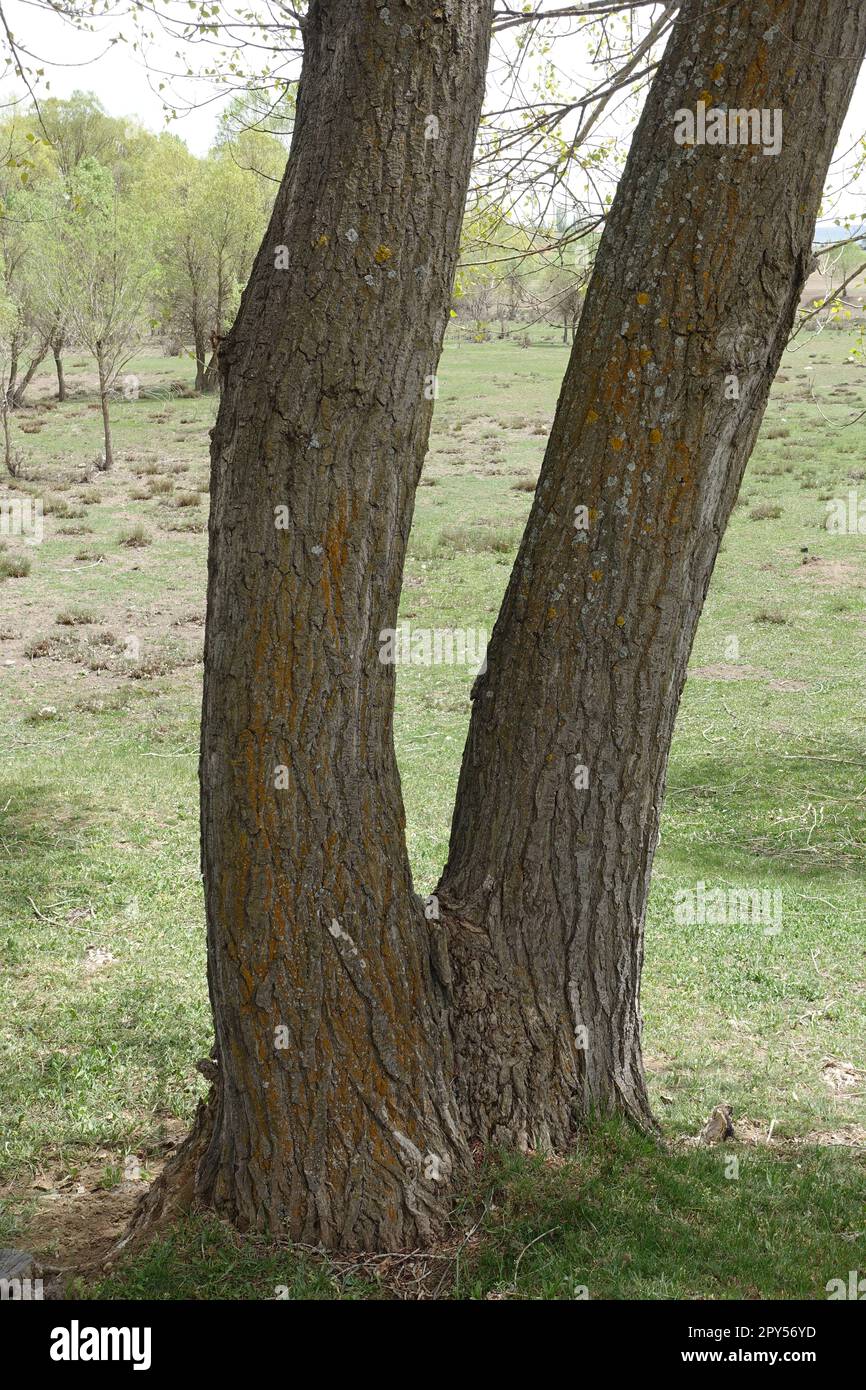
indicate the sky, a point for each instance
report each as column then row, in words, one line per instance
column 121, row 81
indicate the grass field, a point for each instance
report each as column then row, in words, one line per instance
column 104, row 1009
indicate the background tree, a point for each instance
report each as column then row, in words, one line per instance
column 47, row 147
column 102, row 279
column 30, row 202
column 212, row 216
column 8, row 321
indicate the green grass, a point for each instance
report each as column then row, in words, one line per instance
column 766, row 791
column 623, row 1220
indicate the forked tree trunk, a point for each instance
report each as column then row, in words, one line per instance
column 356, row 1058
column 696, row 284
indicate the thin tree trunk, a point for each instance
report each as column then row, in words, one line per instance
column 108, row 461
column 211, row 380
column 7, row 443
column 331, row 1115
column 212, row 375
column 57, row 350
column 200, row 348
column 20, row 389
column 697, row 281
column 13, row 370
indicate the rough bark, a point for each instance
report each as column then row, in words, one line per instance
column 697, row 280
column 345, row 1134
column 518, row 1014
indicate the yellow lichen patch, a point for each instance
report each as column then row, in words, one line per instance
column 642, row 297
column 383, row 254
column 596, row 576
column 591, row 416
column 616, row 442
column 620, row 622
column 706, row 96
column 753, row 84
column 663, row 321
column 645, row 356
column 324, row 239
column 551, row 613
column 655, row 436
column 716, row 73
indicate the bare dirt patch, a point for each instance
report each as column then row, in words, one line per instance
column 832, row 573
column 77, row 1220
column 728, row 671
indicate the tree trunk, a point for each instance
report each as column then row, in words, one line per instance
column 106, row 419
column 200, row 348
column 361, row 1051
column 13, row 370
column 697, row 281
column 331, row 1116
column 19, row 390
column 57, row 350
column 211, row 379
column 7, row 443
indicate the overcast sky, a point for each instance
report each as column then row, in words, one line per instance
column 122, row 83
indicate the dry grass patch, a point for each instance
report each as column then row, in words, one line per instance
column 135, row 538
column 15, row 566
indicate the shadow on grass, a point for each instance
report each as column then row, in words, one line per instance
column 41, row 832
column 757, row 809
column 625, row 1218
